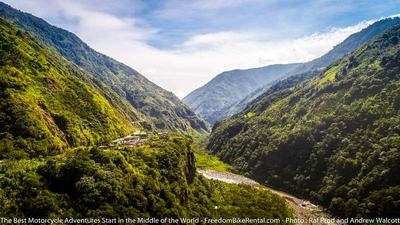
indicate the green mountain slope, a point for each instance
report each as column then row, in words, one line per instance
column 264, row 91
column 48, row 103
column 162, row 108
column 232, row 94
column 155, row 180
column 334, row 139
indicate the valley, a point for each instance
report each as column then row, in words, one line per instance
column 88, row 138
column 304, row 212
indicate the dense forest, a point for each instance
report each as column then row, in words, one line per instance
column 154, row 180
column 334, row 139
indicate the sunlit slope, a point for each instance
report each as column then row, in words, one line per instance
column 334, row 139
column 231, row 91
column 162, row 108
column 47, row 103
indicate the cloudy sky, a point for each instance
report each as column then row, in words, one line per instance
column 180, row 45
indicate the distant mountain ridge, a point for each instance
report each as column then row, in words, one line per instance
column 226, row 89
column 231, row 86
column 162, row 109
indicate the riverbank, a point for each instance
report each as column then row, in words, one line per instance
column 304, row 211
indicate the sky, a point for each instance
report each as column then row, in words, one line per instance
column 181, row 45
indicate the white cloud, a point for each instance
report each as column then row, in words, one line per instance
column 192, row 63
column 202, row 57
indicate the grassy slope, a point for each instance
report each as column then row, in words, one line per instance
column 162, row 109
column 205, row 160
column 48, row 103
column 334, row 139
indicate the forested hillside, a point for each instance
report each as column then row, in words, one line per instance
column 154, row 180
column 264, row 91
column 48, row 104
column 334, row 139
column 222, row 98
column 162, row 108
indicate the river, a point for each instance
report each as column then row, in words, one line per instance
column 304, row 211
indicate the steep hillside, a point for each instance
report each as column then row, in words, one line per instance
column 334, row 139
column 229, row 87
column 237, row 102
column 47, row 103
column 154, row 180
column 164, row 109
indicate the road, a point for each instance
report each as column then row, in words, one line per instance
column 305, row 212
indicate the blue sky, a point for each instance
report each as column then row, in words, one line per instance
column 180, row 45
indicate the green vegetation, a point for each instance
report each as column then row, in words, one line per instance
column 231, row 91
column 159, row 108
column 52, row 113
column 334, row 139
column 154, row 180
column 205, row 160
column 48, row 104
column 241, row 201
column 249, row 115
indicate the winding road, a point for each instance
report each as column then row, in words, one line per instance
column 304, row 211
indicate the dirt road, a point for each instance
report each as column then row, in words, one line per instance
column 304, row 211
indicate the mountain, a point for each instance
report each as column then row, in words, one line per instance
column 52, row 115
column 48, row 103
column 231, row 86
column 162, row 109
column 266, row 90
column 334, row 139
column 226, row 90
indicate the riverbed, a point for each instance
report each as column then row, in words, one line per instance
column 304, row 211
